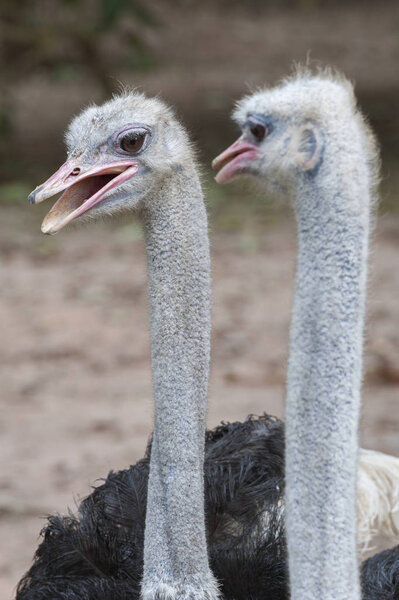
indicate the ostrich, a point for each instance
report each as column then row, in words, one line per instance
column 99, row 552
column 307, row 139
column 133, row 153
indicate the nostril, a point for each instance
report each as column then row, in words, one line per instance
column 76, row 171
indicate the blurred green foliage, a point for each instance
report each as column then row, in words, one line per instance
column 14, row 192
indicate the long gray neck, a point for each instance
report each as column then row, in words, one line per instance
column 175, row 553
column 324, row 380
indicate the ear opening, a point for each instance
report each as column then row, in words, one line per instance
column 310, row 146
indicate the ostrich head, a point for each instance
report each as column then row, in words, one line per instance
column 287, row 131
column 118, row 154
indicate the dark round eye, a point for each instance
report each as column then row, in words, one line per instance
column 132, row 141
column 258, row 131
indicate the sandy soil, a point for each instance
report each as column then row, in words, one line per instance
column 75, row 386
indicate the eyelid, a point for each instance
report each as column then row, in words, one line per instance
column 264, row 120
column 139, row 131
column 131, row 133
column 116, row 137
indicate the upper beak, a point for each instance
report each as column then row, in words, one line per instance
column 83, row 188
column 234, row 159
column 68, row 174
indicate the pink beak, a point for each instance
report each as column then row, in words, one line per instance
column 83, row 188
column 234, row 160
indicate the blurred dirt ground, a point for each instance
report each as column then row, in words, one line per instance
column 76, row 395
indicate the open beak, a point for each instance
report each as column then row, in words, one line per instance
column 83, row 188
column 234, row 160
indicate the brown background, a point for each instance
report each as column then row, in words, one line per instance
column 76, row 395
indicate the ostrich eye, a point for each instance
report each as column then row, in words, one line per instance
column 258, row 131
column 132, row 141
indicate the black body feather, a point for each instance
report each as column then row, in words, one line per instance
column 98, row 553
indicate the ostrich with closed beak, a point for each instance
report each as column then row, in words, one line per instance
column 307, row 139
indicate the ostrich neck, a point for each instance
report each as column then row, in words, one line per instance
column 175, row 222
column 323, row 384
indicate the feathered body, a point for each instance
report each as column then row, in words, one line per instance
column 97, row 554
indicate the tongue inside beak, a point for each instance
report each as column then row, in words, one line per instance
column 80, row 193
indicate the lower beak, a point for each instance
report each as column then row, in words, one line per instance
column 234, row 159
column 82, row 189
